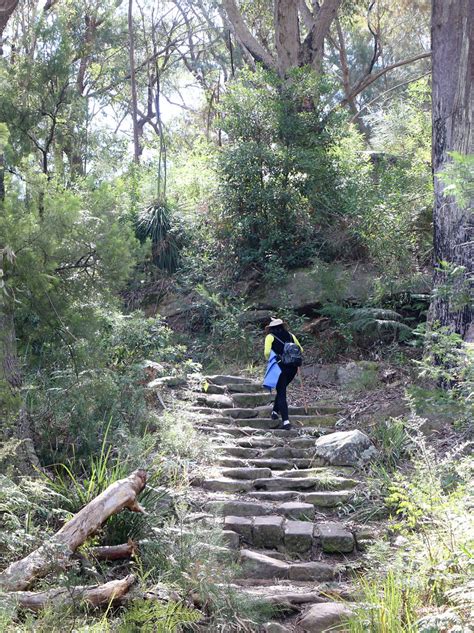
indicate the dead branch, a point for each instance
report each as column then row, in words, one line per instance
column 94, row 595
column 119, row 495
column 113, row 552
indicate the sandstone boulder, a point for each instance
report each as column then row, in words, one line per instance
column 345, row 448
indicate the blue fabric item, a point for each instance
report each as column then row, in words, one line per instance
column 272, row 373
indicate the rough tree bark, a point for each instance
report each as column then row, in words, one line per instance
column 6, row 9
column 119, row 495
column 452, row 34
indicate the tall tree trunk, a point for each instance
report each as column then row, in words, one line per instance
column 452, row 33
column 287, row 34
column 133, row 84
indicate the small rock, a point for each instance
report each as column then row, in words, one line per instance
column 335, row 538
column 275, row 627
column 365, row 536
column 324, row 617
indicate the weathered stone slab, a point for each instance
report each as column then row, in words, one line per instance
column 257, row 423
column 273, row 464
column 249, row 387
column 246, row 473
column 312, row 570
column 297, row 510
column 345, row 448
column 231, row 539
column 328, row 498
column 215, row 401
column 231, row 462
column 241, row 525
column 238, row 412
column 335, row 538
column 304, row 483
column 256, row 565
column 268, row 531
column 221, row 379
column 237, row 508
column 227, row 485
column 324, row 617
column 251, row 399
column 298, row 536
column 303, row 442
column 259, row 441
column 239, row 451
column 278, row 452
column 279, row 495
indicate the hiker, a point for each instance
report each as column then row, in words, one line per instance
column 285, row 359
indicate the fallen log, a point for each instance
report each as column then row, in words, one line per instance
column 60, row 547
column 113, row 552
column 94, row 595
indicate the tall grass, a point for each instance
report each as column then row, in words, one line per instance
column 387, row 606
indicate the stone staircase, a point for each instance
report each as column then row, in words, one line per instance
column 277, row 500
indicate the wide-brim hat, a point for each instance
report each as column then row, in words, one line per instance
column 274, row 322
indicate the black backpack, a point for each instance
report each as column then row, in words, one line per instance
column 291, row 353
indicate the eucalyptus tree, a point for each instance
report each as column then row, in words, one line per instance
column 453, row 140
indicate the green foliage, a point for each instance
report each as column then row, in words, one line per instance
column 390, row 606
column 157, row 617
column 448, row 363
column 393, row 439
column 395, row 223
column 155, row 223
column 371, row 324
column 277, row 171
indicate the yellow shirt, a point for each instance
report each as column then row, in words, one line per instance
column 269, row 341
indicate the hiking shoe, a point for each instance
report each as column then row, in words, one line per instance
column 274, row 415
column 286, row 425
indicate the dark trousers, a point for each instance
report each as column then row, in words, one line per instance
column 280, row 405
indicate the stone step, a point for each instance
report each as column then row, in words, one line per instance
column 258, row 565
column 246, row 473
column 238, row 508
column 274, row 531
column 251, row 400
column 269, row 442
column 237, row 431
column 318, row 484
column 247, row 388
column 328, row 498
column 266, row 462
column 268, row 423
column 234, row 412
column 223, row 379
column 314, row 409
column 318, row 471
